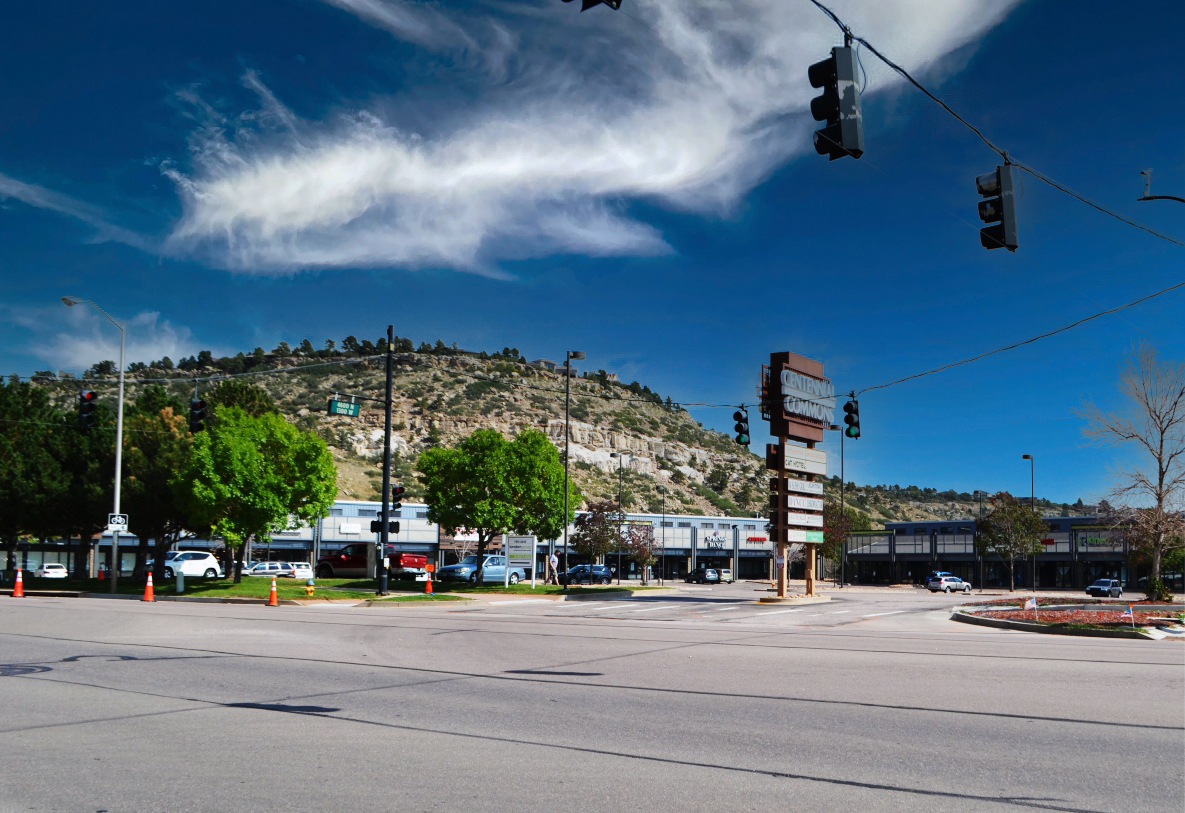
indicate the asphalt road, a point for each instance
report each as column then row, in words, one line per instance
column 698, row 701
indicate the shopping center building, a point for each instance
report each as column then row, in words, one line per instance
column 681, row 543
column 1075, row 552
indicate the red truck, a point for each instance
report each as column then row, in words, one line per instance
column 351, row 561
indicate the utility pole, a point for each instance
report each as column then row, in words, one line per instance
column 385, row 531
column 568, row 356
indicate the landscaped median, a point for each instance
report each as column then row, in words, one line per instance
column 290, row 591
column 250, row 590
column 1099, row 618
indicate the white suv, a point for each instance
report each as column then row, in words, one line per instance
column 194, row 563
column 946, row 584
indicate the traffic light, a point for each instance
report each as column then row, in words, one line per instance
column 397, row 497
column 839, row 105
column 852, row 419
column 88, row 402
column 376, row 526
column 741, row 416
column 999, row 208
column 197, row 415
column 585, row 5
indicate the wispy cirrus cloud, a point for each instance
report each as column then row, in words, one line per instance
column 586, row 114
column 42, row 198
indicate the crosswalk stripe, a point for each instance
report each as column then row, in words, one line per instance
column 874, row 615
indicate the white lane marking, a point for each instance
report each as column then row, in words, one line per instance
column 524, row 601
column 577, row 605
column 776, row 612
column 649, row 609
column 610, row 607
column 841, row 612
column 874, row 615
column 724, row 609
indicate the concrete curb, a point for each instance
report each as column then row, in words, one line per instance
column 1027, row 626
column 793, row 600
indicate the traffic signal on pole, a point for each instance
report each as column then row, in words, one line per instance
column 741, row 416
column 839, row 105
column 999, row 208
column 852, row 419
column 585, row 5
column 197, row 415
column 376, row 526
column 397, row 497
column 88, row 402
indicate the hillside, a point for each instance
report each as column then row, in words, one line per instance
column 443, row 394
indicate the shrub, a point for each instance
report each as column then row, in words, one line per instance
column 1158, row 591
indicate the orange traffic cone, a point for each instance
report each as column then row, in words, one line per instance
column 149, row 595
column 428, row 586
column 101, row 572
column 273, row 600
column 18, row 589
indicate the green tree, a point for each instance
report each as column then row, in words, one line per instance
column 153, row 398
column 156, row 446
column 1011, row 530
column 718, row 479
column 249, row 476
column 31, row 478
column 235, row 392
column 492, row 486
column 87, row 460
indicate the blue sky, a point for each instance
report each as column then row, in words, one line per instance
column 226, row 175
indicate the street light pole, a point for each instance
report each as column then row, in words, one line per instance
column 569, row 355
column 620, row 511
column 71, row 301
column 663, row 562
column 1033, row 506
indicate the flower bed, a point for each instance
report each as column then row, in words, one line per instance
column 1050, row 601
column 1097, row 619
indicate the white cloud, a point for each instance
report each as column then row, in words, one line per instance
column 72, row 339
column 42, row 198
column 575, row 116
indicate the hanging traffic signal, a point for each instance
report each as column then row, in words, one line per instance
column 88, row 402
column 585, row 5
column 397, row 497
column 197, row 415
column 852, row 419
column 741, row 416
column 999, row 208
column 839, row 105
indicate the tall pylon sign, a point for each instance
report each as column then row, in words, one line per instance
column 799, row 403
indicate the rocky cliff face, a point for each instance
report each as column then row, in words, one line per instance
column 441, row 399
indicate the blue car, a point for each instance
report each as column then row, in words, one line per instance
column 494, row 570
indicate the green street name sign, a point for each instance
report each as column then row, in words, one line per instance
column 344, row 408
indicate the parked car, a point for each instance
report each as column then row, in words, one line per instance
column 51, row 570
column 938, row 574
column 301, row 570
column 725, row 574
column 947, row 584
column 272, row 570
column 582, row 574
column 493, row 570
column 1106, row 587
column 703, row 575
column 194, row 563
column 169, row 556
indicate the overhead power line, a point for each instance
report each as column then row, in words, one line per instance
column 1038, row 337
column 998, row 150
